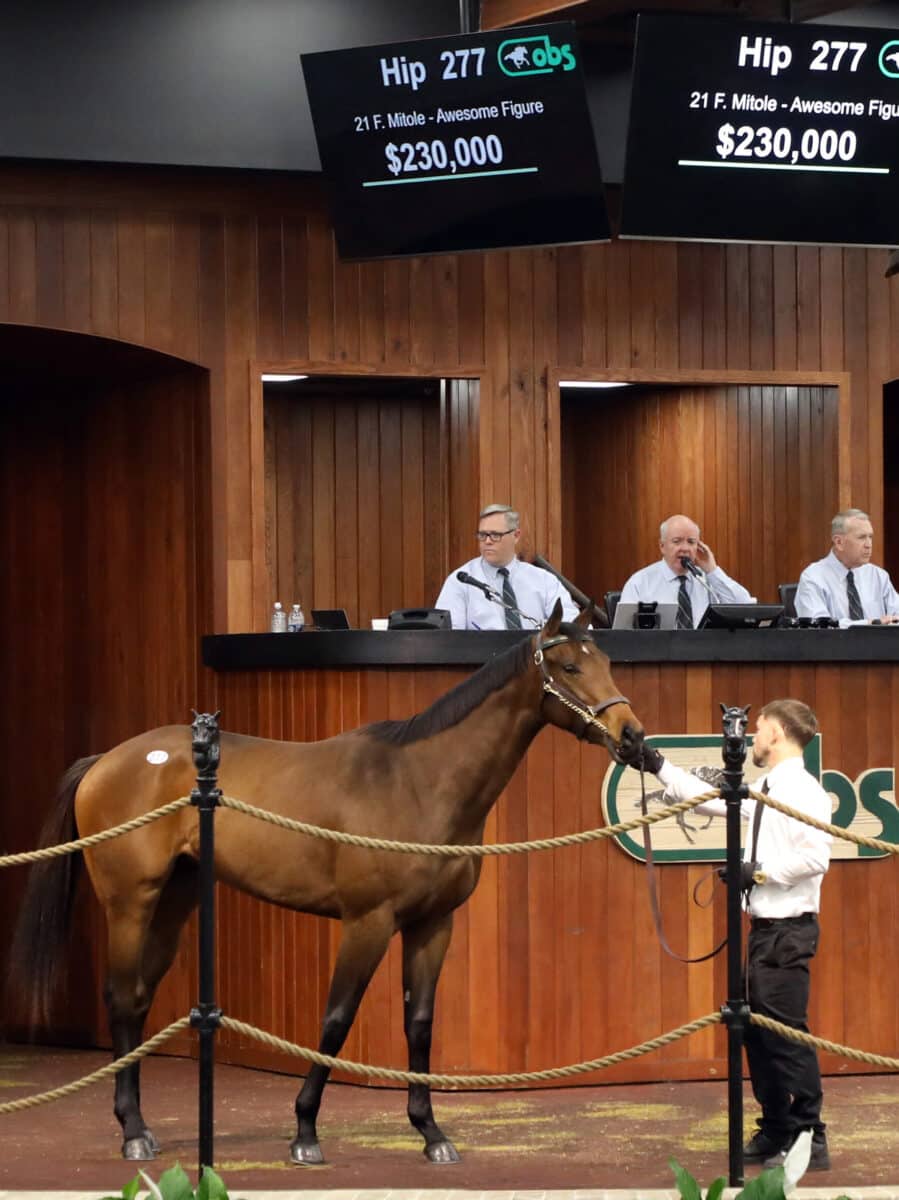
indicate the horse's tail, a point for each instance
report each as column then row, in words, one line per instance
column 43, row 923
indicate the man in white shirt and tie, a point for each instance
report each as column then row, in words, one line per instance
column 784, row 863
column 670, row 582
column 518, row 589
column 846, row 586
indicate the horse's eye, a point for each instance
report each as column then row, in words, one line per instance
column 571, row 669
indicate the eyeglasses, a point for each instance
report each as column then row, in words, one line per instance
column 489, row 535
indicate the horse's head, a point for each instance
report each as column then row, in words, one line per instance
column 579, row 692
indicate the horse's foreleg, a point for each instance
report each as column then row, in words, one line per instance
column 362, row 947
column 424, row 949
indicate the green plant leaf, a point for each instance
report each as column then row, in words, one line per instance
column 767, row 1186
column 154, row 1190
column 175, row 1185
column 686, row 1184
column 128, row 1192
column 716, row 1188
column 211, row 1186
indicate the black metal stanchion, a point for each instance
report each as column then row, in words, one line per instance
column 735, row 1012
column 206, row 1016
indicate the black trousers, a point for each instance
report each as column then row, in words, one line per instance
column 785, row 1077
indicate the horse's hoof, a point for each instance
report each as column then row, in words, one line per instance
column 306, row 1154
column 140, row 1149
column 442, row 1153
column 151, row 1140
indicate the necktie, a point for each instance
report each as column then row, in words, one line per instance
column 856, row 613
column 684, row 605
column 513, row 620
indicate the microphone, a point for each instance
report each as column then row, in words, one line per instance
column 488, row 591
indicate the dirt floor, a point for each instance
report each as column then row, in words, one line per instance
column 608, row 1137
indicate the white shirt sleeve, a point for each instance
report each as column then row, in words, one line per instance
column 452, row 596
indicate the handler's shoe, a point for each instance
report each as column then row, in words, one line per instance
column 761, row 1146
column 819, row 1159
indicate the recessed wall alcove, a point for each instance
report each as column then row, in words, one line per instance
column 103, row 492
column 758, row 460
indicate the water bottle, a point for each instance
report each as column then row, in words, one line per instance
column 279, row 618
column 295, row 620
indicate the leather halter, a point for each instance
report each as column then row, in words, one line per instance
column 589, row 713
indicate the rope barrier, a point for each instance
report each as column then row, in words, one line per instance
column 468, row 1081
column 456, row 851
column 113, row 1068
column 93, row 839
column 824, row 826
column 808, row 1039
column 443, row 1081
column 371, row 843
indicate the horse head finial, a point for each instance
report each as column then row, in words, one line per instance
column 735, row 721
column 205, row 741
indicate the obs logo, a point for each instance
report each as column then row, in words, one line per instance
column 888, row 60
column 534, row 56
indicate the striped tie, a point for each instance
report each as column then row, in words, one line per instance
column 684, row 605
column 856, row 612
column 513, row 620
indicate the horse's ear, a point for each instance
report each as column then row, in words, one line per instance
column 551, row 628
column 216, row 714
column 582, row 620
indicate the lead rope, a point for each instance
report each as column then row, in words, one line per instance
column 590, row 718
column 652, row 888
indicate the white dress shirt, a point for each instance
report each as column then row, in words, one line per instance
column 792, row 855
column 822, row 591
column 536, row 592
column 658, row 582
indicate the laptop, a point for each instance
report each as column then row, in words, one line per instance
column 329, row 618
column 625, row 613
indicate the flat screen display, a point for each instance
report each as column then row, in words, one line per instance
column 763, row 133
column 467, row 142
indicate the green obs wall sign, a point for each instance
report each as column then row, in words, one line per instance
column 866, row 806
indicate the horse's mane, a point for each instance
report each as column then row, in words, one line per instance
column 457, row 703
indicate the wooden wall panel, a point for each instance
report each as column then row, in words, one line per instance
column 226, row 272
column 355, row 495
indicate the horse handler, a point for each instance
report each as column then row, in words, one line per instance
column 783, row 865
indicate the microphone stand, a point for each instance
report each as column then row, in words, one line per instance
column 600, row 617
column 495, row 596
column 511, row 607
column 697, row 572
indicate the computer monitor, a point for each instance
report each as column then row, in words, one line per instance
column 625, row 614
column 420, row 618
column 329, row 618
column 740, row 616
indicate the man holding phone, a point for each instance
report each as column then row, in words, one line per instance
column 687, row 575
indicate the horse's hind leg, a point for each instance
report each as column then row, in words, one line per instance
column 139, row 957
column 424, row 949
column 362, row 947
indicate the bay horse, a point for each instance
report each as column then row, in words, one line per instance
column 431, row 778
